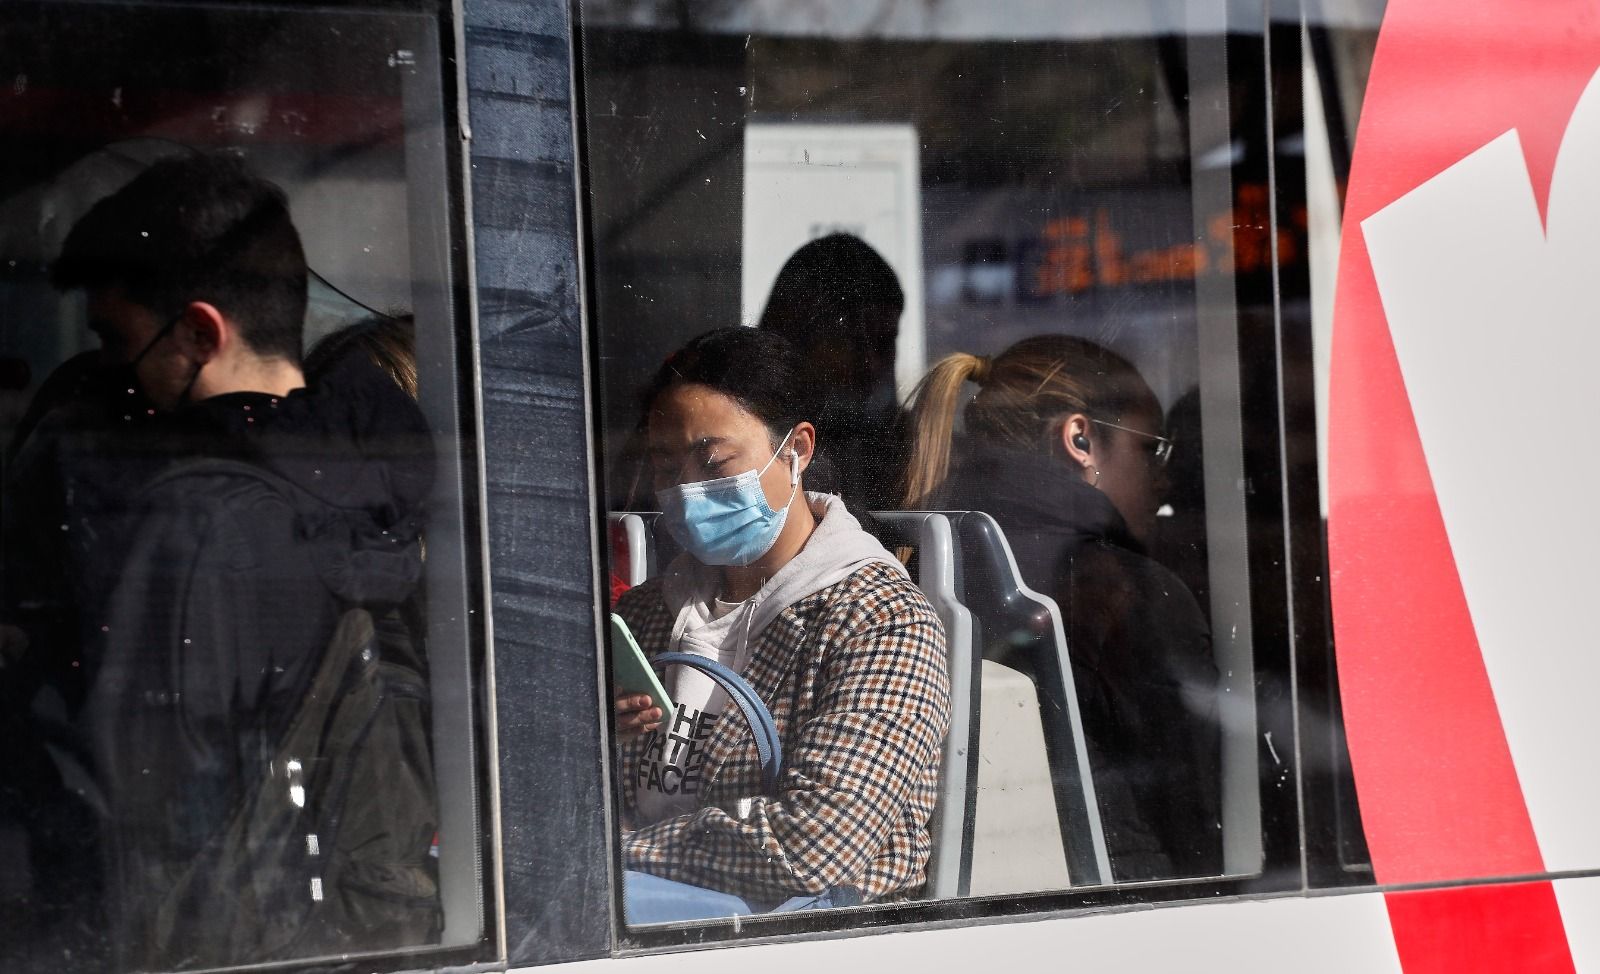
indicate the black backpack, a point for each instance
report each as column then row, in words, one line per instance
column 331, row 853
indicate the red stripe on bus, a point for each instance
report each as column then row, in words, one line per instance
column 1468, row 929
column 1440, row 798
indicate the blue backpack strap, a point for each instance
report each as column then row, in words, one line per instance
column 756, row 715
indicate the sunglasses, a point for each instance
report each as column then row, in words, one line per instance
column 1163, row 448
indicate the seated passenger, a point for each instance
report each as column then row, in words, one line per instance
column 1063, row 448
column 784, row 587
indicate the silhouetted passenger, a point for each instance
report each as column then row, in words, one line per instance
column 71, row 420
column 1063, row 447
column 240, row 527
column 62, row 445
column 837, row 301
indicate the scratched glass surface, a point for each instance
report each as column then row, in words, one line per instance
column 1067, row 194
column 237, row 647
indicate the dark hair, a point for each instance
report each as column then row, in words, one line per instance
column 757, row 369
column 834, row 286
column 197, row 228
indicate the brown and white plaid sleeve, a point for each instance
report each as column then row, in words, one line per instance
column 855, row 678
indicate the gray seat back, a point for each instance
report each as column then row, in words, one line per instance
column 1022, row 628
column 931, row 535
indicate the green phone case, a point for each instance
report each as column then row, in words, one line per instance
column 632, row 672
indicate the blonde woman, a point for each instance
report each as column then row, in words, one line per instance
column 1064, row 447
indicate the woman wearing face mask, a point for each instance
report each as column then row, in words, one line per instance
column 786, row 589
column 1063, row 446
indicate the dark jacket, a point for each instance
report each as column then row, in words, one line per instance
column 1141, row 658
column 223, row 591
column 80, row 424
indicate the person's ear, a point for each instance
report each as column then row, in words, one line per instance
column 1077, row 439
column 804, row 444
column 203, row 333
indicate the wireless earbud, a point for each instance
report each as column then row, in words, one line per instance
column 1080, row 441
column 794, row 468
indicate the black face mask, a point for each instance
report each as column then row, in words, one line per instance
column 120, row 390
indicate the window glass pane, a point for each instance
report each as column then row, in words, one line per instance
column 1337, row 49
column 985, row 263
column 239, row 645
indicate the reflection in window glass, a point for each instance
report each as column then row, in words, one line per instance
column 1338, row 49
column 237, row 664
column 1007, row 250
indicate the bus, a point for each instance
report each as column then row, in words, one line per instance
column 1320, row 232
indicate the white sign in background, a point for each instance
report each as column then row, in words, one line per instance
column 802, row 182
column 1494, row 317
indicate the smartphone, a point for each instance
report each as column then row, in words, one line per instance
column 631, row 672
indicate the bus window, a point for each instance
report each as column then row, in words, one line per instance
column 240, row 637
column 1337, row 58
column 1015, row 270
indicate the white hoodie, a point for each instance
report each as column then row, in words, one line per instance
column 669, row 775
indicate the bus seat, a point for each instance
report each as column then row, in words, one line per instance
column 1016, row 837
column 950, row 864
column 1022, row 628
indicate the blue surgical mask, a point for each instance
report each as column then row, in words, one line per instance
column 727, row 521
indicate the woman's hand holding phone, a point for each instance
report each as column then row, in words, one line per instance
column 636, row 714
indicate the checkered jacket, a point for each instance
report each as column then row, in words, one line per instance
column 855, row 678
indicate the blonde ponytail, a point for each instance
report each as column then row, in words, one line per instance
column 933, row 412
column 1025, row 393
